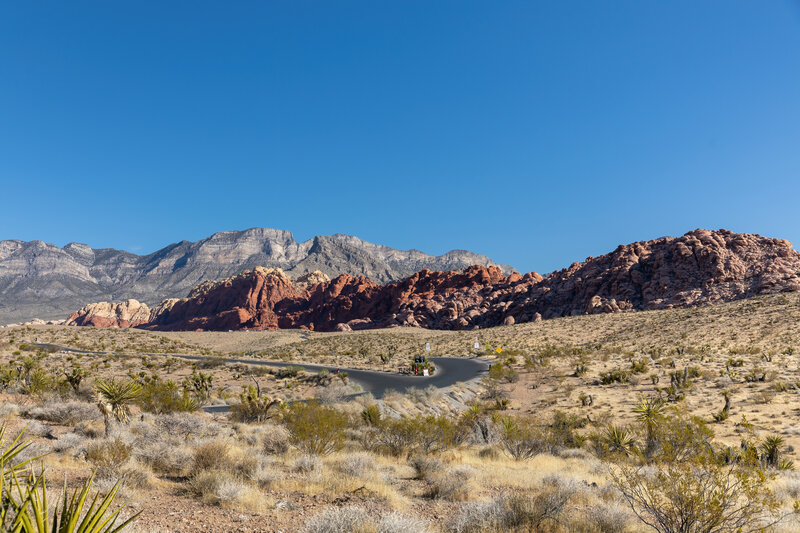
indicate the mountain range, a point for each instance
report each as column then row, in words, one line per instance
column 698, row 268
column 44, row 281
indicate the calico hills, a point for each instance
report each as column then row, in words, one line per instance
column 42, row 280
column 698, row 268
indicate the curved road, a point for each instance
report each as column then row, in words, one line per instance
column 449, row 371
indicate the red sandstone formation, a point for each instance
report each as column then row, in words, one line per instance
column 698, row 268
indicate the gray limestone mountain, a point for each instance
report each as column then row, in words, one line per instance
column 42, row 280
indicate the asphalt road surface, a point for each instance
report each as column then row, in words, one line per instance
column 449, row 371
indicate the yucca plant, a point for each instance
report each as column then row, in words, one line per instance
column 649, row 412
column 114, row 399
column 618, row 439
column 771, row 450
column 24, row 508
column 9, row 452
column 253, row 407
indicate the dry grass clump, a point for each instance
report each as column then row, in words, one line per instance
column 356, row 464
column 219, row 487
column 454, row 484
column 425, row 466
column 355, row 519
column 108, row 456
column 275, row 439
column 211, row 455
column 64, row 414
column 307, row 464
column 187, row 425
column 71, row 443
column 518, row 511
column 165, row 457
column 608, row 518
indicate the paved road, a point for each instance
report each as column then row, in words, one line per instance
column 449, row 371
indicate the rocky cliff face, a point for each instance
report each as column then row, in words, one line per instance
column 42, row 280
column 698, row 268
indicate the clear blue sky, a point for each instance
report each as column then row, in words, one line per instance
column 537, row 133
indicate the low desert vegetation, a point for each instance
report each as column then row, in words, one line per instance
column 670, row 421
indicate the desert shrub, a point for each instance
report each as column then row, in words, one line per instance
column 615, row 376
column 397, row 522
column 64, row 413
column 687, row 488
column 426, row 467
column 356, row 464
column 9, row 409
column 187, row 425
column 355, row 519
column 503, row 373
column 218, row 487
column 211, row 455
column 89, row 429
column 639, row 366
column 790, row 485
column 519, row 511
column 275, row 440
column 71, row 442
column 34, row 428
column 562, row 430
column 423, row 434
column 530, row 511
column 164, row 457
column 478, row 517
column 521, row 438
column 608, row 518
column 135, row 476
column 245, row 465
column 108, row 457
column 159, row 397
column 288, row 372
column 334, row 393
column 306, row 464
column 315, row 428
column 452, row 485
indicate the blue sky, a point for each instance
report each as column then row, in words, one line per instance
column 537, row 133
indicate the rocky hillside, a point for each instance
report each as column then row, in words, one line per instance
column 698, row 268
column 42, row 280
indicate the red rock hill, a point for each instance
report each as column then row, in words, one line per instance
column 698, row 268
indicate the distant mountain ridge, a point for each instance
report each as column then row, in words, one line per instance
column 698, row 268
column 42, row 280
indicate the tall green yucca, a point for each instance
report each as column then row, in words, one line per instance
column 24, row 508
column 10, row 451
column 23, row 500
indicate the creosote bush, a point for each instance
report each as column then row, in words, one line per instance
column 315, row 428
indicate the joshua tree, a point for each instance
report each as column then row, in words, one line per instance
column 114, row 399
column 726, row 409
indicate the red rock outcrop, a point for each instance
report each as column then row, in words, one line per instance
column 698, row 268
column 128, row 314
